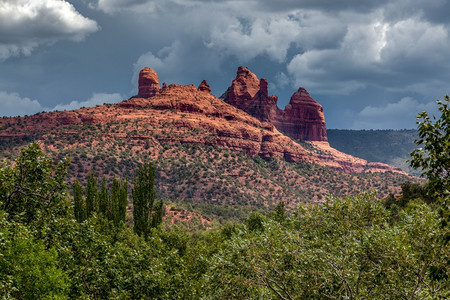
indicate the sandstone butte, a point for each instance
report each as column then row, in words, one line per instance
column 194, row 116
column 302, row 118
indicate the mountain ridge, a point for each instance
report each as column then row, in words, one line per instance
column 206, row 149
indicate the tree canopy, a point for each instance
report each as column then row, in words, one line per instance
column 434, row 156
column 351, row 247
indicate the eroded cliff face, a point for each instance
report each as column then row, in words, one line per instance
column 216, row 123
column 188, row 115
column 302, row 118
column 148, row 83
column 252, row 122
column 250, row 94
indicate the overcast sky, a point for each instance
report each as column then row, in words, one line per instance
column 372, row 64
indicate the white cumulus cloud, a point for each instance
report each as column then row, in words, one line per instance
column 11, row 105
column 166, row 60
column 27, row 24
column 376, row 52
column 96, row 99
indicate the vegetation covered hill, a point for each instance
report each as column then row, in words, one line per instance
column 207, row 152
column 392, row 147
column 354, row 247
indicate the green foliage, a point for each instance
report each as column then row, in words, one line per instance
column 78, row 202
column 157, row 214
column 279, row 213
column 434, row 157
column 411, row 193
column 255, row 222
column 144, row 213
column 91, row 194
column 28, row 269
column 119, row 200
column 33, row 190
column 346, row 248
column 343, row 249
column 112, row 204
column 104, row 200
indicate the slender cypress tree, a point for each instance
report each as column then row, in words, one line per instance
column 157, row 213
column 114, row 199
column 123, row 201
column 103, row 199
column 143, row 199
column 119, row 200
column 91, row 194
column 79, row 205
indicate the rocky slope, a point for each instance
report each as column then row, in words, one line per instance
column 302, row 118
column 206, row 150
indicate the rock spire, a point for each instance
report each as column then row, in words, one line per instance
column 302, row 118
column 148, row 83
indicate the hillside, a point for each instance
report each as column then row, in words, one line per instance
column 392, row 147
column 207, row 152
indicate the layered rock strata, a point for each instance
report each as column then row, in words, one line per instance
column 148, row 83
column 302, row 118
column 189, row 115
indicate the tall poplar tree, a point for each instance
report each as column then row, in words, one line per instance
column 119, row 200
column 123, row 201
column 144, row 200
column 91, row 194
column 104, row 199
column 79, row 205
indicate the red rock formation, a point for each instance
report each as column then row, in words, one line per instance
column 204, row 87
column 302, row 119
column 250, row 94
column 148, row 83
column 243, row 89
column 189, row 115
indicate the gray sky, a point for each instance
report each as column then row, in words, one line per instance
column 372, row 64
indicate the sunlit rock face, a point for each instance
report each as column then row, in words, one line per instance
column 148, row 83
column 302, row 118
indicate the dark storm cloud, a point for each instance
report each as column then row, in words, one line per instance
column 331, row 6
column 434, row 11
column 113, row 6
column 362, row 60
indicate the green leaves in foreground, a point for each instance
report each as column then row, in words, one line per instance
column 343, row 249
column 27, row 269
column 352, row 248
column 34, row 189
column 434, row 157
